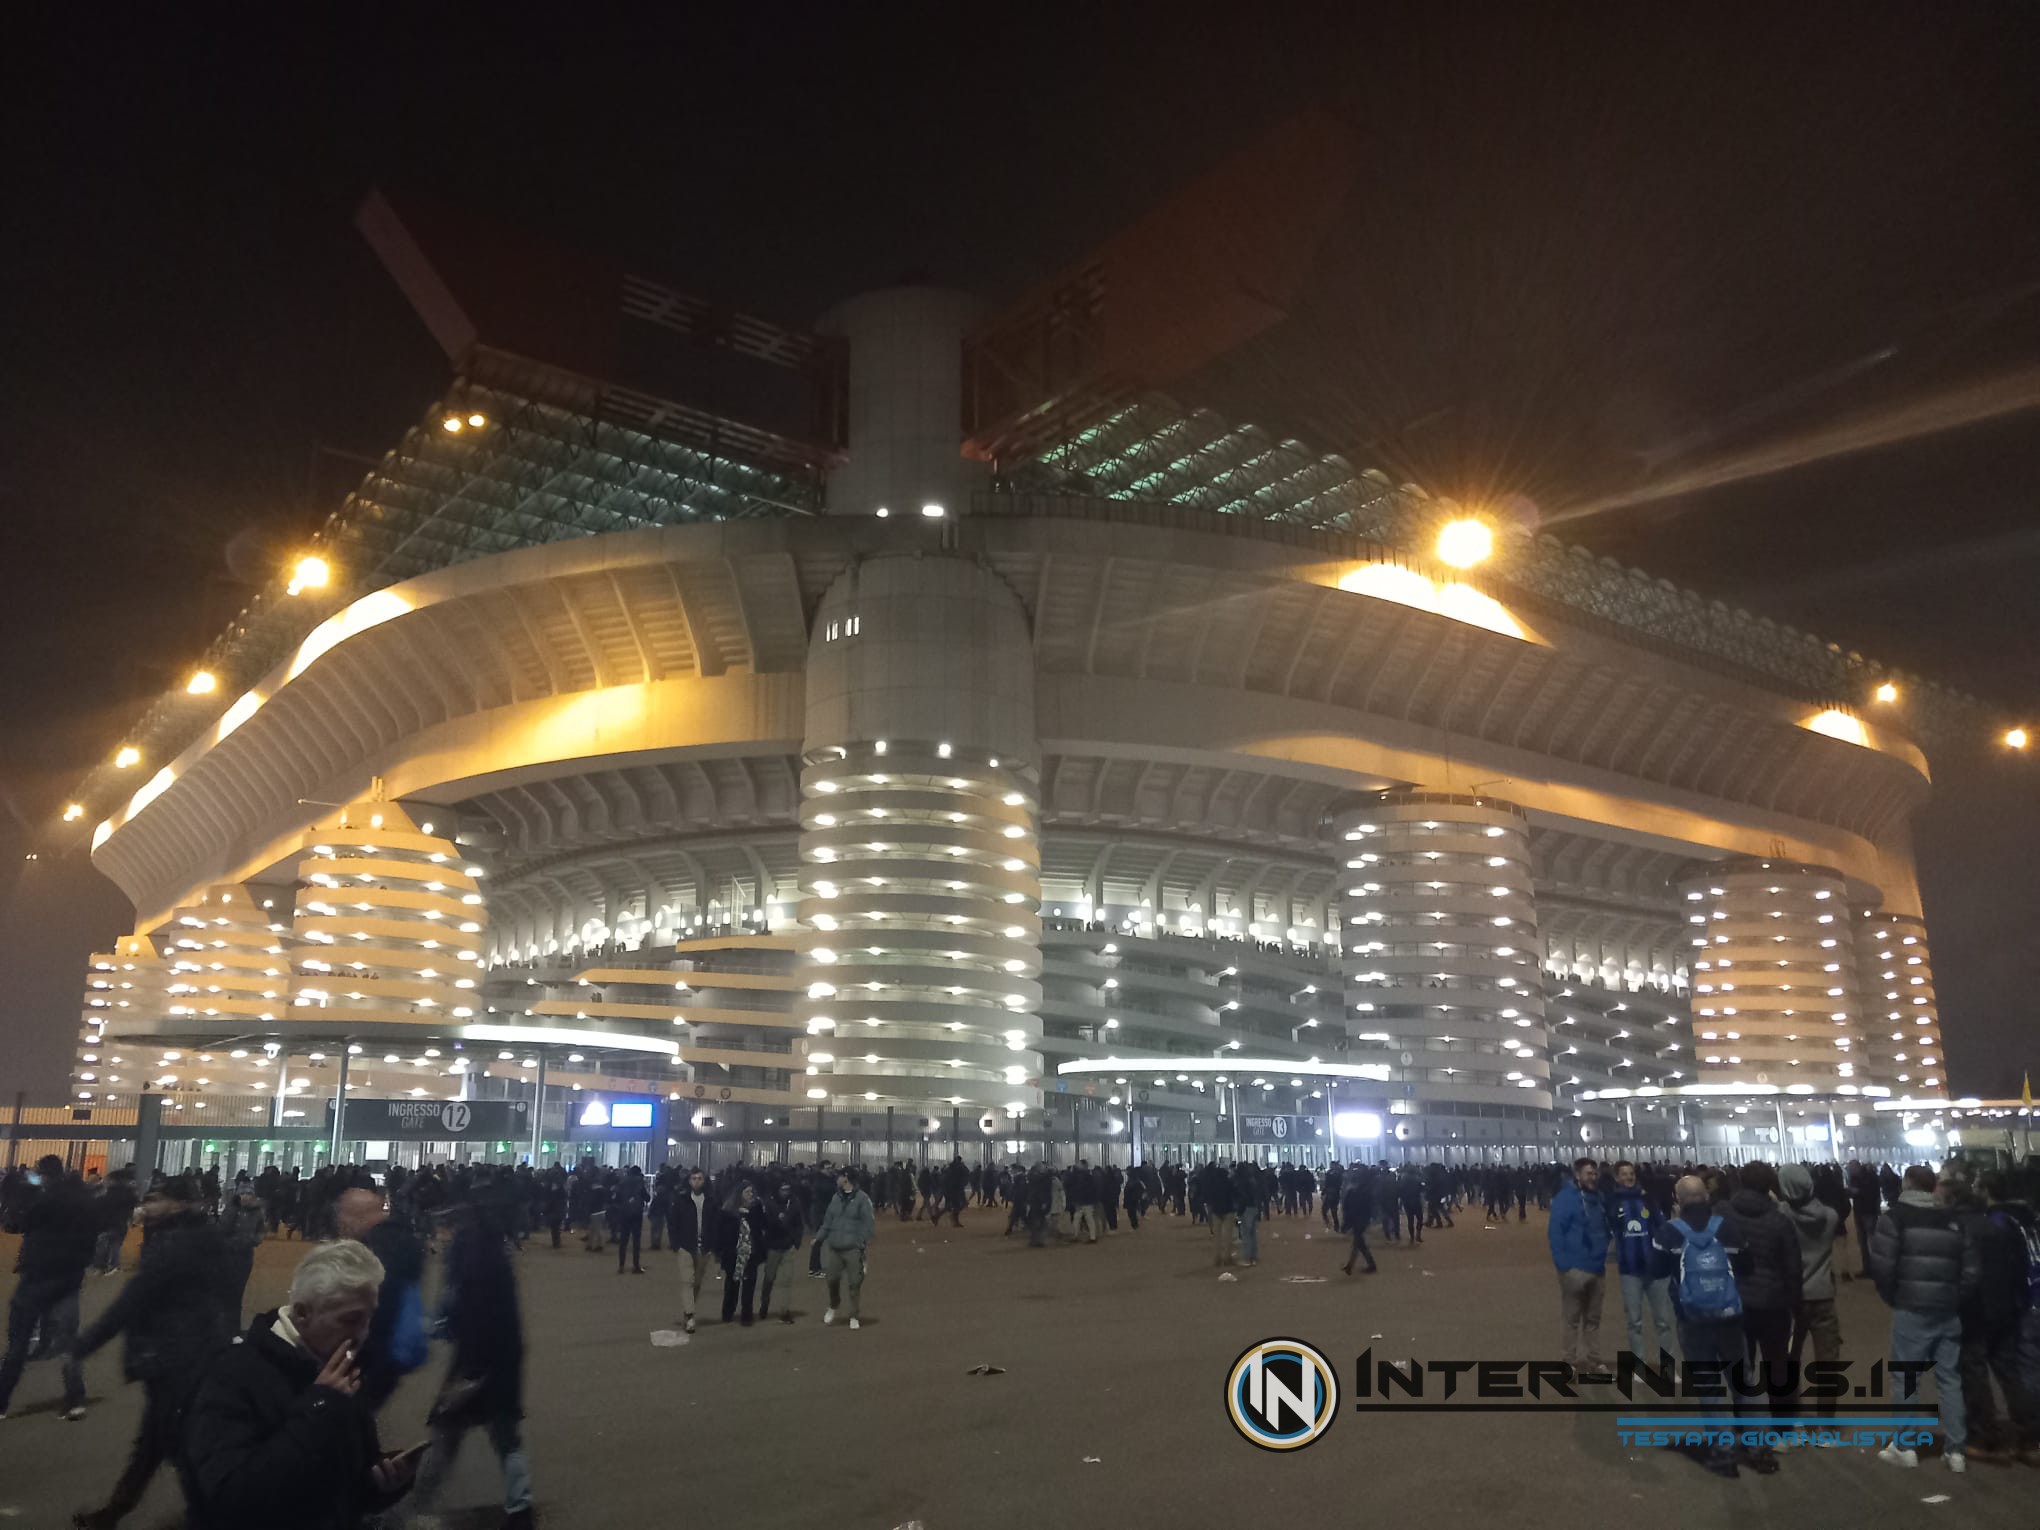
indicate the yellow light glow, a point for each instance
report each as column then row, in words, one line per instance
column 369, row 611
column 74, row 812
column 311, row 573
column 452, row 424
column 1459, row 602
column 1838, row 724
column 2016, row 739
column 237, row 714
column 1887, row 692
column 128, row 755
column 1465, row 542
column 478, row 420
column 203, row 683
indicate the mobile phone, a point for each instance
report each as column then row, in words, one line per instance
column 413, row 1452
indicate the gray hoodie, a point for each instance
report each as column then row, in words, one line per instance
column 1816, row 1223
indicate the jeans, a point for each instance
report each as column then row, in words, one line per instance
column 844, row 1268
column 1639, row 1292
column 1250, row 1243
column 630, row 1234
column 1225, row 1231
column 508, row 1444
column 1937, row 1337
column 1710, row 1342
column 40, row 1302
column 1579, row 1316
column 775, row 1261
column 2004, row 1352
column 693, row 1271
column 106, row 1248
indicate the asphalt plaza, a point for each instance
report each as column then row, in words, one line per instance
column 1110, row 1408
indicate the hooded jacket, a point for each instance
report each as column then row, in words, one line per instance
column 1817, row 1224
column 1768, row 1271
column 1922, row 1258
column 2001, row 1291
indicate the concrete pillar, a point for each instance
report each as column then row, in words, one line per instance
column 339, row 1108
column 1439, row 946
column 148, row 1137
column 920, row 958
column 905, row 403
column 538, row 1112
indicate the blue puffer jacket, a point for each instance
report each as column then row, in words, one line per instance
column 1579, row 1230
column 1636, row 1223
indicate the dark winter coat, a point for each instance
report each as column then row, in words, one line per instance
column 174, row 1310
column 1769, row 1274
column 1922, row 1257
column 59, row 1225
column 482, row 1318
column 262, row 1446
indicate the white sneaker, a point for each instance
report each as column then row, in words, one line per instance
column 1958, row 1463
column 1954, row 1461
column 829, row 1316
column 1891, row 1455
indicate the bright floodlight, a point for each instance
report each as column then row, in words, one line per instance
column 932, row 511
column 128, row 755
column 1359, row 1125
column 73, row 812
column 1887, row 692
column 311, row 573
column 2016, row 739
column 1466, row 542
column 202, row 683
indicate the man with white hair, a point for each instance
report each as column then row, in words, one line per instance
column 277, row 1433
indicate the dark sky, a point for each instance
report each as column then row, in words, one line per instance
column 1605, row 252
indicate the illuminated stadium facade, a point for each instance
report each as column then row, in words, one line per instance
column 849, row 782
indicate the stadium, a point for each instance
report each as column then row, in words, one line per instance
column 958, row 729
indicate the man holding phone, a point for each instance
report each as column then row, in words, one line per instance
column 277, row 1432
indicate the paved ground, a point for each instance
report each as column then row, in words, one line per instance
column 1117, row 1352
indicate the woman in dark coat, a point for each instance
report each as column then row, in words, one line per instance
column 484, row 1385
column 742, row 1245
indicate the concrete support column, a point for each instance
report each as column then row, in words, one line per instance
column 339, row 1109
column 920, row 957
column 1776, row 1003
column 148, row 1138
column 1440, row 950
column 538, row 1111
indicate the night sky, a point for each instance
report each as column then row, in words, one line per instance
column 1713, row 279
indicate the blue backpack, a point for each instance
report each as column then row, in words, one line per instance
column 408, row 1346
column 1706, row 1279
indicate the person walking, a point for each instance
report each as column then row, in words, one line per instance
column 1925, row 1263
column 846, row 1232
column 117, row 1205
column 693, row 1234
column 1249, row 1195
column 1220, row 1204
column 1579, row 1237
column 784, row 1229
column 1818, row 1226
column 59, row 1232
column 1645, row 1270
column 741, row 1247
column 627, row 1219
column 1081, row 1187
column 1358, row 1210
column 484, row 1384
column 395, row 1344
column 174, row 1317
column 277, row 1432
column 1705, row 1298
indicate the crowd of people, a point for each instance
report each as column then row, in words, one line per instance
column 273, row 1420
column 1740, row 1266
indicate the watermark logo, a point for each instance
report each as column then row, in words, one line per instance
column 1282, row 1394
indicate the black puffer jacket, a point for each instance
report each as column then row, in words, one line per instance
column 1922, row 1258
column 263, row 1446
column 2001, row 1295
column 1768, row 1271
column 174, row 1311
